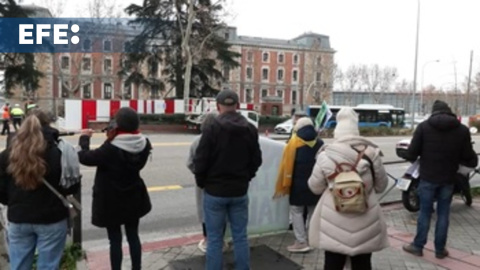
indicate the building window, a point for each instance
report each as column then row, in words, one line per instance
column 227, row 35
column 107, row 65
column 295, row 76
column 249, row 56
column 154, row 68
column 65, row 86
column 318, row 76
column 87, row 90
column 249, row 73
column 265, row 57
column 107, row 45
column 319, row 61
column 226, row 73
column 155, row 92
column 294, row 97
column 295, row 59
column 280, row 93
column 87, row 45
column 107, row 90
column 127, row 90
column 65, row 62
column 265, row 74
column 264, row 93
column 280, row 75
column 127, row 46
column 248, row 95
column 86, row 64
column 281, row 58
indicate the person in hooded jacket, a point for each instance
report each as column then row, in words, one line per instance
column 120, row 196
column 38, row 220
column 354, row 235
column 296, row 166
column 443, row 144
column 227, row 158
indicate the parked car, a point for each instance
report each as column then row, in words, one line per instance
column 401, row 148
column 284, row 127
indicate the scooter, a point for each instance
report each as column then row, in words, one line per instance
column 409, row 187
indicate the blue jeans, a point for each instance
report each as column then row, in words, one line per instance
column 429, row 192
column 48, row 239
column 216, row 211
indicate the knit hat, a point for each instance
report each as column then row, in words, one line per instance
column 440, row 106
column 303, row 122
column 127, row 119
column 347, row 123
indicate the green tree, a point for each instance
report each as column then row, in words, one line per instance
column 185, row 37
column 20, row 68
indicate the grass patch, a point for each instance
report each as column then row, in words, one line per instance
column 71, row 254
column 475, row 191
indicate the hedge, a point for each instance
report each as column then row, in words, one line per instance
column 162, row 118
column 373, row 132
column 271, row 120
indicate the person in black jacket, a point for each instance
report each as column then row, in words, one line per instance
column 37, row 217
column 443, row 144
column 227, row 158
column 303, row 146
column 120, row 196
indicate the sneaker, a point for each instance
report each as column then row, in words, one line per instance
column 413, row 250
column 441, row 255
column 298, row 247
column 203, row 246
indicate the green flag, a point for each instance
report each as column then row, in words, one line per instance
column 323, row 116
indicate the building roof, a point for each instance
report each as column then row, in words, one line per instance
column 305, row 41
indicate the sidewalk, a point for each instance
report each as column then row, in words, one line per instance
column 463, row 245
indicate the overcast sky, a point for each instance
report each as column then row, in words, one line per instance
column 369, row 31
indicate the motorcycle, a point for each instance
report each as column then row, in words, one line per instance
column 409, row 186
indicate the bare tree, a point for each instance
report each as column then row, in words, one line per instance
column 56, row 7
column 377, row 80
column 353, row 80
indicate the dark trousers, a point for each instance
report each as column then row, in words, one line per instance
column 336, row 261
column 116, row 252
column 17, row 121
column 6, row 127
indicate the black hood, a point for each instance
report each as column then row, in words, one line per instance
column 50, row 134
column 307, row 133
column 232, row 121
column 443, row 121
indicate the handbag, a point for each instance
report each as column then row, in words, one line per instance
column 69, row 202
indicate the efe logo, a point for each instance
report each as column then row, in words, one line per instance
column 59, row 33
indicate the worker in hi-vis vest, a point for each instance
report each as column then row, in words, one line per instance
column 17, row 115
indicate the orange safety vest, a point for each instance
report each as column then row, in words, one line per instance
column 6, row 115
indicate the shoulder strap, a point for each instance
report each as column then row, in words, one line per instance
column 339, row 166
column 367, row 158
column 65, row 202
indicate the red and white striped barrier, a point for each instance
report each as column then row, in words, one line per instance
column 79, row 112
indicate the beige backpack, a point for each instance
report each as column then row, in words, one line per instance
column 347, row 188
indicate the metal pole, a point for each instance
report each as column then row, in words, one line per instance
column 467, row 100
column 77, row 223
column 416, row 65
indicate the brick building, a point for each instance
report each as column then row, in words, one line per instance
column 294, row 72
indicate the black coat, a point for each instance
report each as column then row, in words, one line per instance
column 41, row 205
column 228, row 156
column 442, row 143
column 305, row 157
column 119, row 193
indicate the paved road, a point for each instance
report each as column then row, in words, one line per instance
column 171, row 188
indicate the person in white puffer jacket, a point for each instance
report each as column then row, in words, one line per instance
column 343, row 235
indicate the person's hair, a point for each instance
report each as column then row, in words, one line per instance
column 208, row 120
column 26, row 159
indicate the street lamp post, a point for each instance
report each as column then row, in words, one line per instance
column 416, row 64
column 422, row 86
